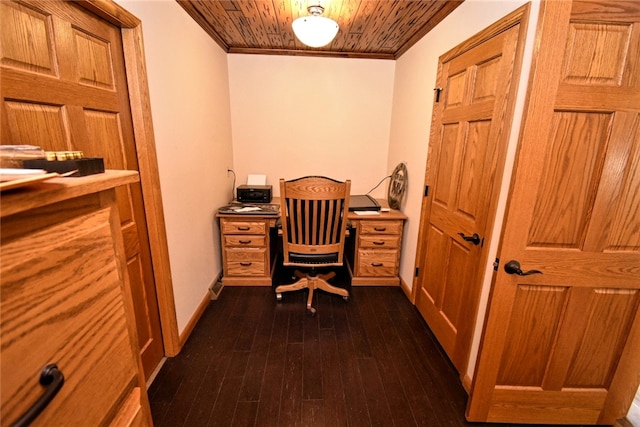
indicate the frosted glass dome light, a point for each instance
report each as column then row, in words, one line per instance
column 315, row 30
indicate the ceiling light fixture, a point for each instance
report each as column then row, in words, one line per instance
column 315, row 30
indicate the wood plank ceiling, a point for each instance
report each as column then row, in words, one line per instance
column 377, row 29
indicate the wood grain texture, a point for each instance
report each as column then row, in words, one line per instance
column 60, row 189
column 465, row 163
column 44, row 302
column 574, row 328
column 376, row 246
column 246, row 251
column 32, row 30
column 381, row 234
column 64, row 301
column 313, row 212
column 94, row 117
column 368, row 28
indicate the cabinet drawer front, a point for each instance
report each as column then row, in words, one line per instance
column 381, row 227
column 380, row 242
column 245, row 241
column 243, row 227
column 246, row 268
column 62, row 303
column 246, row 262
column 130, row 413
column 377, row 263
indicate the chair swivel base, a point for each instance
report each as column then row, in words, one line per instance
column 312, row 282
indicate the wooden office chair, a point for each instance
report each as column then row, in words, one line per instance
column 314, row 222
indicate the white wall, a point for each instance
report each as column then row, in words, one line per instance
column 634, row 411
column 189, row 91
column 294, row 116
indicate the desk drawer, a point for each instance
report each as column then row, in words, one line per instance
column 246, row 261
column 243, row 227
column 245, row 241
column 377, row 263
column 380, row 242
column 381, row 227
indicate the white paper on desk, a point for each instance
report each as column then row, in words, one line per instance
column 256, row 179
column 247, row 209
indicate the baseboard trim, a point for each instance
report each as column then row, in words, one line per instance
column 466, row 383
column 623, row 423
column 184, row 336
column 212, row 294
column 155, row 372
column 407, row 291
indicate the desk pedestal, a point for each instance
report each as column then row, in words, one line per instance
column 249, row 250
column 375, row 256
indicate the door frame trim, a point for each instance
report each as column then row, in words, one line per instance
column 520, row 16
column 137, row 84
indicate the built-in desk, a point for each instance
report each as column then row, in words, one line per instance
column 250, row 248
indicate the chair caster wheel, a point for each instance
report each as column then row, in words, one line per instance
column 312, row 312
column 278, row 297
column 346, row 299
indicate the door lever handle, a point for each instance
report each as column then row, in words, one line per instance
column 513, row 267
column 475, row 239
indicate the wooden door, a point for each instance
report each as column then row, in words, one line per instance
column 64, row 88
column 563, row 346
column 469, row 138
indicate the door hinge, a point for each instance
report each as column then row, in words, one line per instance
column 426, row 191
column 417, row 271
column 438, row 92
column 496, row 264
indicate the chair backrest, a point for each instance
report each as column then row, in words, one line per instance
column 314, row 220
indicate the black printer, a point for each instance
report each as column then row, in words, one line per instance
column 253, row 193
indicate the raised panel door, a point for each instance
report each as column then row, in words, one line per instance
column 469, row 135
column 64, row 88
column 563, row 346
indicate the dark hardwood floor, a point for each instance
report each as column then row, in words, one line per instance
column 254, row 362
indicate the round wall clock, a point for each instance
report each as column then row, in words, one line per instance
column 397, row 186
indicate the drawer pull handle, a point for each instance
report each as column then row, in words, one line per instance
column 245, row 242
column 377, row 264
column 380, row 228
column 378, row 243
column 246, row 264
column 52, row 379
column 244, row 228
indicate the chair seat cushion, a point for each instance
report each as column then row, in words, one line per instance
column 330, row 258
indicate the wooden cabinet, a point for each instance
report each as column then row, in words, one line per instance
column 377, row 243
column 247, row 255
column 65, row 300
